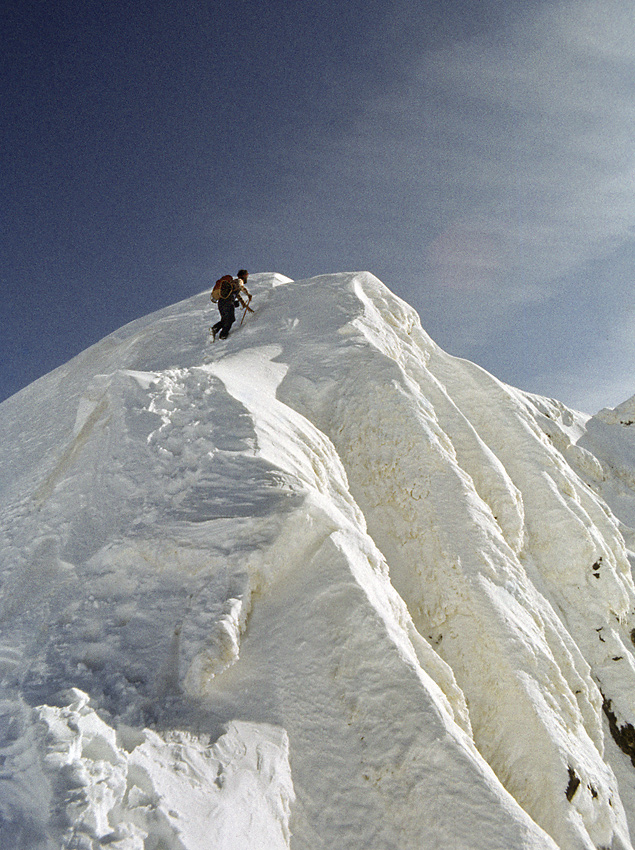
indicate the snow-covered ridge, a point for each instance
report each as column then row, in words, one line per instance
column 321, row 585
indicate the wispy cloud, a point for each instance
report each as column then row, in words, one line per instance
column 514, row 152
column 547, row 165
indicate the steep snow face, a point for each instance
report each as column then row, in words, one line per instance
column 320, row 585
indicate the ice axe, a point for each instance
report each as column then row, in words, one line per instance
column 247, row 307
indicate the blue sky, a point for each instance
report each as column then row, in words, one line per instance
column 478, row 157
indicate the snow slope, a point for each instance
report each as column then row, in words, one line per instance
column 321, row 585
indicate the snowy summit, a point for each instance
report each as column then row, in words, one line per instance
column 320, row 585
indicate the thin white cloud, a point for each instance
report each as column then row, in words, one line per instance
column 548, row 120
column 515, row 150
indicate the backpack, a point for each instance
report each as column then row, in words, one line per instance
column 223, row 288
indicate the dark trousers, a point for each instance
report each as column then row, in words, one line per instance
column 227, row 318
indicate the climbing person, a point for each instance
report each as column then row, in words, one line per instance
column 228, row 294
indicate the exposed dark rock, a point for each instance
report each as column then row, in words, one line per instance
column 574, row 784
column 624, row 736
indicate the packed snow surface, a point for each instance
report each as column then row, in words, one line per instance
column 321, row 585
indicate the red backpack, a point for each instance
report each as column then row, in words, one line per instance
column 223, row 288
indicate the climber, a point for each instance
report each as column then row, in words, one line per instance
column 228, row 293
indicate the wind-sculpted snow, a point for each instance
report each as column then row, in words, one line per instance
column 320, row 585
